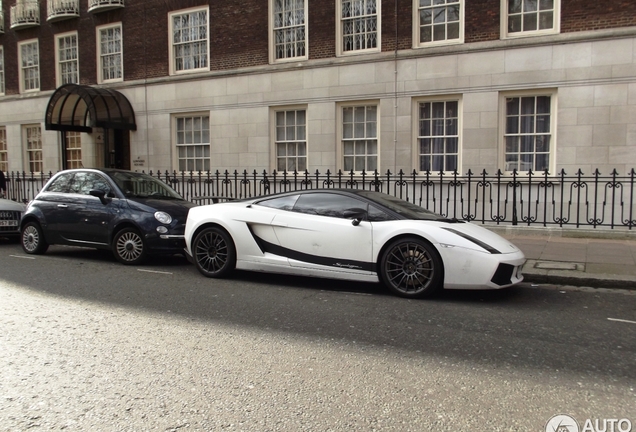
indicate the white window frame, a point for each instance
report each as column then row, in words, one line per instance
column 206, row 158
column 171, row 43
column 59, row 75
column 73, row 148
column 417, row 132
column 273, row 30
column 556, row 21
column 340, row 151
column 275, row 138
column 30, row 160
column 4, row 154
column 417, row 28
column 34, row 67
column 340, row 36
column 100, row 55
column 503, row 115
column 1, row 70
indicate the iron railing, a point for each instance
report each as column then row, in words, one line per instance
column 104, row 5
column 58, row 10
column 533, row 199
column 25, row 13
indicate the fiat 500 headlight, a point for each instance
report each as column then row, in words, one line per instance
column 163, row 217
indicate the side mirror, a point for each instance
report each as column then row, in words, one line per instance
column 357, row 214
column 99, row 194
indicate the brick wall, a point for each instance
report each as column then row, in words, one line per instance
column 482, row 20
column 579, row 15
column 239, row 32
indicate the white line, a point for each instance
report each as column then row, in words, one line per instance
column 20, row 256
column 622, row 320
column 153, row 271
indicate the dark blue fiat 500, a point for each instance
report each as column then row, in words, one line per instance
column 132, row 214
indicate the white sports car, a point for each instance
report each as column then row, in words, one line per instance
column 350, row 234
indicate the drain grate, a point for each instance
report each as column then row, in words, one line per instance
column 556, row 265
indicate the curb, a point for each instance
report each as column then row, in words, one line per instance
column 573, row 277
column 585, row 281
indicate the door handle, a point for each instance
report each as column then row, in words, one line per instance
column 62, row 206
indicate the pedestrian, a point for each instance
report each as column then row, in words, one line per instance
column 3, row 185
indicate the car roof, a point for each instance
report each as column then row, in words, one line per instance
column 341, row 191
column 104, row 170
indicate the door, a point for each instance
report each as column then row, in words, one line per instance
column 316, row 234
column 117, row 143
column 56, row 207
column 122, row 149
column 92, row 217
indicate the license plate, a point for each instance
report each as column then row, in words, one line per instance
column 8, row 223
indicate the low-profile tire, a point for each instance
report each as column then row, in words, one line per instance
column 412, row 268
column 129, row 247
column 33, row 241
column 214, row 252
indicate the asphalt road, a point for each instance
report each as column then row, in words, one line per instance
column 89, row 344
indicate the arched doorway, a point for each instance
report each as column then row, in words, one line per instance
column 80, row 108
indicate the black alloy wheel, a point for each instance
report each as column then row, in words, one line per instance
column 411, row 267
column 33, row 241
column 214, row 252
column 129, row 247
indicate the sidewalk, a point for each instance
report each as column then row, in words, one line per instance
column 600, row 259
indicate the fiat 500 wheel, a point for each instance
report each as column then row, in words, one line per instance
column 129, row 247
column 33, row 241
column 410, row 267
column 214, row 252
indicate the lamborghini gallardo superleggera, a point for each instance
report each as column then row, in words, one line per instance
column 350, row 234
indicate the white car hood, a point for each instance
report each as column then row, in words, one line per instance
column 482, row 234
column 8, row 205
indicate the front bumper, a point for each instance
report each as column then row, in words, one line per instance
column 468, row 269
column 165, row 244
column 10, row 223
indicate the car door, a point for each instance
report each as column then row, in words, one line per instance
column 54, row 207
column 92, row 216
column 317, row 234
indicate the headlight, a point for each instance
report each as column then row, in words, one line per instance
column 163, row 217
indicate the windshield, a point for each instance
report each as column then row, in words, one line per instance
column 138, row 185
column 403, row 208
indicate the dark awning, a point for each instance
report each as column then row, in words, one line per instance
column 80, row 108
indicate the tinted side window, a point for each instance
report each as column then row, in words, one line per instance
column 84, row 182
column 332, row 205
column 281, row 203
column 61, row 183
column 377, row 215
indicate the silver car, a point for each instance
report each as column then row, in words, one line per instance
column 10, row 214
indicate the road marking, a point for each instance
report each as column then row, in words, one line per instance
column 622, row 320
column 154, row 271
column 22, row 256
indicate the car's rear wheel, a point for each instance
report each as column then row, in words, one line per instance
column 411, row 267
column 33, row 241
column 214, row 252
column 129, row 247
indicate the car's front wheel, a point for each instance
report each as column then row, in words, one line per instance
column 129, row 247
column 411, row 267
column 33, row 241
column 214, row 252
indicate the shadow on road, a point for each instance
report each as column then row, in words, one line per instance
column 517, row 327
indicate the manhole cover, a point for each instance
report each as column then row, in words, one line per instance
column 554, row 265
